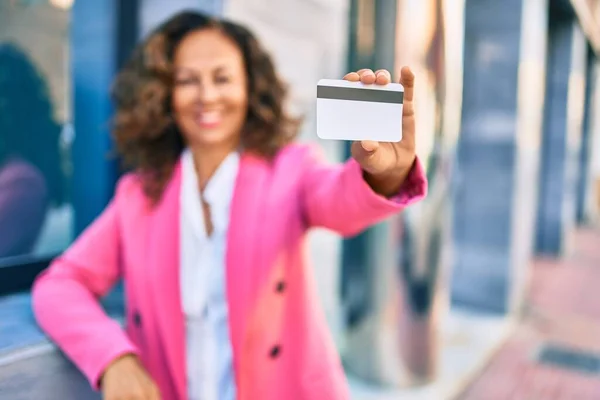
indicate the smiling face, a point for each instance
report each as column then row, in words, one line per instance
column 210, row 95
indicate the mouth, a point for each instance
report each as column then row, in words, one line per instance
column 209, row 119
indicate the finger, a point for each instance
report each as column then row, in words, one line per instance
column 155, row 395
column 367, row 76
column 359, row 153
column 109, row 394
column 407, row 79
column 135, row 393
column 363, row 150
column 129, row 387
column 138, row 394
column 369, row 145
column 408, row 126
column 352, row 77
column 382, row 77
column 153, row 392
column 366, row 157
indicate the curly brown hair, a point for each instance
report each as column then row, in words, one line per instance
column 145, row 132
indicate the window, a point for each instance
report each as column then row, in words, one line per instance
column 35, row 131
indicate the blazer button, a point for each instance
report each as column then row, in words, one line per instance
column 275, row 351
column 137, row 318
column 280, row 287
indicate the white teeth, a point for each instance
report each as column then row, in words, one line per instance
column 209, row 117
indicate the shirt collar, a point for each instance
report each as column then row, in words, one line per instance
column 217, row 193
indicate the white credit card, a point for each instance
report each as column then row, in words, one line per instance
column 355, row 111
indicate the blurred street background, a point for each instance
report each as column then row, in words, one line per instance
column 486, row 290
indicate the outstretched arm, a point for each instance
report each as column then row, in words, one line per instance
column 380, row 179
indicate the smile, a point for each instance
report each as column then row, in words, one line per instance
column 209, row 119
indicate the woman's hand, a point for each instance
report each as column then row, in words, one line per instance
column 126, row 379
column 386, row 165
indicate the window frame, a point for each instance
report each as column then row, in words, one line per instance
column 18, row 273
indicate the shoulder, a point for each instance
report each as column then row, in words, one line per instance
column 298, row 154
column 129, row 191
column 130, row 194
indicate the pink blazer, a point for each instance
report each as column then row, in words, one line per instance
column 281, row 345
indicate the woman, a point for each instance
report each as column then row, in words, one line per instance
column 30, row 169
column 208, row 231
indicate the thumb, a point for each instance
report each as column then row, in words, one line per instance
column 369, row 145
column 364, row 151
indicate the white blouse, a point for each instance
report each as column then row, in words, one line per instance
column 209, row 357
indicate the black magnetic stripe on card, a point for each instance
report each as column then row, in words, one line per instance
column 359, row 94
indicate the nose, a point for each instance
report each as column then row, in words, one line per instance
column 207, row 93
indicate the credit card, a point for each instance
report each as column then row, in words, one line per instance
column 356, row 111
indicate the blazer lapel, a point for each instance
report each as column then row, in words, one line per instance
column 163, row 261
column 242, row 256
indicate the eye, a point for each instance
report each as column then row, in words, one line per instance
column 185, row 80
column 222, row 79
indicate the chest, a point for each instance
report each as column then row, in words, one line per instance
column 164, row 252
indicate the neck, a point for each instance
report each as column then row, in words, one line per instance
column 207, row 160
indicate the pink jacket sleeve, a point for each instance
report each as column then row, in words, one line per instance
column 66, row 298
column 338, row 198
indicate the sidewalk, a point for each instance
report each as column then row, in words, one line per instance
column 468, row 341
column 564, row 311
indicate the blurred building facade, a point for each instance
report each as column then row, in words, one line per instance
column 507, row 109
column 526, row 145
